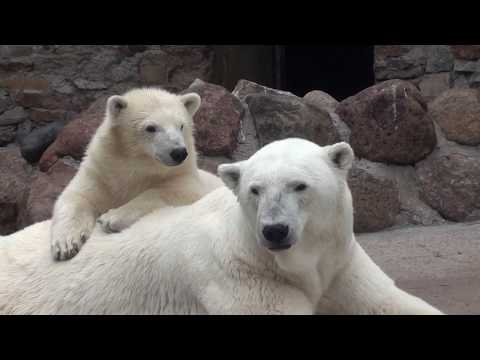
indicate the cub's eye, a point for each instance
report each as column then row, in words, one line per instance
column 300, row 187
column 150, row 129
column 254, row 190
column 181, row 127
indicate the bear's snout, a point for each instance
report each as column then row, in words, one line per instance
column 179, row 154
column 276, row 235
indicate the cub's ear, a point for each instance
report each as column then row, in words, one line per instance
column 115, row 105
column 192, row 102
column 230, row 175
column 341, row 155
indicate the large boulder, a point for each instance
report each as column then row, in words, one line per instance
column 321, row 99
column 279, row 115
column 75, row 136
column 324, row 101
column 375, row 197
column 217, row 122
column 44, row 191
column 457, row 112
column 450, row 181
column 14, row 183
column 388, row 123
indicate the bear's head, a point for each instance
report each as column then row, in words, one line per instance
column 291, row 189
column 155, row 123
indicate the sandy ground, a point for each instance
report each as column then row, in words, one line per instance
column 440, row 264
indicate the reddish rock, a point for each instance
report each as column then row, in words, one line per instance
column 450, row 181
column 24, row 83
column 14, row 183
column 467, row 52
column 42, row 116
column 388, row 123
column 376, row 201
column 33, row 98
column 457, row 112
column 210, row 163
column 217, row 122
column 44, row 191
column 75, row 136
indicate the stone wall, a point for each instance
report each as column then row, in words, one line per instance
column 41, row 84
column 433, row 68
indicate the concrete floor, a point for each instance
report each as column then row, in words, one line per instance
column 440, row 264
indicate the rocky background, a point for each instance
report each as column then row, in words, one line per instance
column 416, row 133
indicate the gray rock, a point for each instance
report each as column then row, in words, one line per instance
column 404, row 66
column 413, row 210
column 375, row 197
column 432, row 85
column 34, row 144
column 278, row 116
column 450, row 181
column 13, row 116
column 465, row 66
column 89, row 85
column 5, row 101
column 327, row 103
column 7, row 134
column 439, row 59
column 246, row 88
column 461, row 80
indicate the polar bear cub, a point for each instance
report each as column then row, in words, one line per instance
column 142, row 157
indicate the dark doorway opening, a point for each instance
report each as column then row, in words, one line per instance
column 340, row 71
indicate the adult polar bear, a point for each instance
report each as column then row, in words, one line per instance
column 279, row 241
column 142, row 157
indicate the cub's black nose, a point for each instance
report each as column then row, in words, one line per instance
column 275, row 233
column 179, row 154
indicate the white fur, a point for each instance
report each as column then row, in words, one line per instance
column 127, row 171
column 209, row 257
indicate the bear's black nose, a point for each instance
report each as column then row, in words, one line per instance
column 275, row 233
column 179, row 154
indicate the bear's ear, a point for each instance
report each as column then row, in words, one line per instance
column 192, row 102
column 230, row 175
column 341, row 155
column 115, row 105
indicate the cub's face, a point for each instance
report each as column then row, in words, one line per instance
column 164, row 136
column 162, row 130
column 287, row 188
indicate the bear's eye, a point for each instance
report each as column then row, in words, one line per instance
column 300, row 187
column 181, row 127
column 150, row 129
column 254, row 190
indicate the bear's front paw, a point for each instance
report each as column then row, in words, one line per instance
column 65, row 245
column 113, row 221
